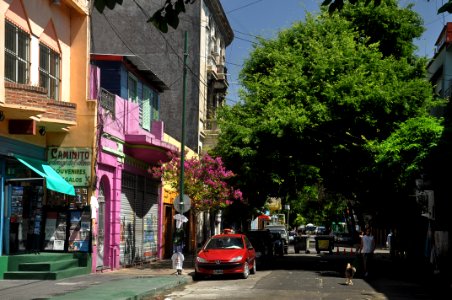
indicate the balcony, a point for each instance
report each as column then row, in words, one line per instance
column 107, row 102
column 25, row 102
column 219, row 77
column 211, row 124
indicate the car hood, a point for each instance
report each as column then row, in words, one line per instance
column 223, row 255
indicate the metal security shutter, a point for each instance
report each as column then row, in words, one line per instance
column 127, row 243
column 139, row 218
column 150, row 218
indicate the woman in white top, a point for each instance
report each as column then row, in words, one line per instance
column 367, row 249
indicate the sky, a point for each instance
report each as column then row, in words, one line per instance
column 265, row 18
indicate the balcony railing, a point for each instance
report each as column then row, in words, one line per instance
column 107, row 101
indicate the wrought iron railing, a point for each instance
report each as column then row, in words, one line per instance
column 107, row 101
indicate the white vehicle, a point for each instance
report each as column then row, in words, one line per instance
column 310, row 228
column 320, row 230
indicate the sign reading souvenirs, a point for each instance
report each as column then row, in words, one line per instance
column 73, row 164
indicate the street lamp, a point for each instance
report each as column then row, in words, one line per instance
column 287, row 207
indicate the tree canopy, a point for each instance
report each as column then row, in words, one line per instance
column 322, row 102
column 205, row 181
column 335, row 5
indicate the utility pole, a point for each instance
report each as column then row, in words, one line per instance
column 182, row 142
column 179, row 204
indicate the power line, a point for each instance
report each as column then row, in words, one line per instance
column 171, row 47
column 234, row 64
column 254, row 43
column 248, row 34
column 244, row 6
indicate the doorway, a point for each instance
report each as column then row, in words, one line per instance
column 101, row 229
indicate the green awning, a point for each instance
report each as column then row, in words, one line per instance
column 53, row 180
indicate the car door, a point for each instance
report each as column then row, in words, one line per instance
column 251, row 252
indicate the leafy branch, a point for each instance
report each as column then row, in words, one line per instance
column 334, row 5
column 167, row 15
column 205, row 181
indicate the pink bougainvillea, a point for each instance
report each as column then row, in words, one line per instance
column 205, row 180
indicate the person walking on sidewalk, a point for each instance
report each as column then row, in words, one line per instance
column 367, row 249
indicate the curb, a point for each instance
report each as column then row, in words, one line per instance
column 137, row 287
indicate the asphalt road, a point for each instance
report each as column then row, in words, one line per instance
column 313, row 276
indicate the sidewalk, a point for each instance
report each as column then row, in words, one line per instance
column 128, row 283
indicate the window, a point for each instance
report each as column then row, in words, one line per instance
column 132, row 88
column 149, row 107
column 17, row 54
column 145, row 109
column 155, row 105
column 49, row 71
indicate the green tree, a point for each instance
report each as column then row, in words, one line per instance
column 404, row 152
column 205, row 181
column 394, row 28
column 335, row 5
column 317, row 101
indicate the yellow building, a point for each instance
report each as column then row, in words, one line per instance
column 47, row 134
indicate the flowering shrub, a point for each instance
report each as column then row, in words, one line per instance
column 205, row 181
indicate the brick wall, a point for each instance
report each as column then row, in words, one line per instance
column 36, row 97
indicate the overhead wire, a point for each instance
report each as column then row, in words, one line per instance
column 170, row 46
column 197, row 77
column 244, row 6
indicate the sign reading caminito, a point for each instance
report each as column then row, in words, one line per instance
column 73, row 164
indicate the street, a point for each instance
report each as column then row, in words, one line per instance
column 307, row 276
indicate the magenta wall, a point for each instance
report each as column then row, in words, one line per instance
column 109, row 169
column 114, row 130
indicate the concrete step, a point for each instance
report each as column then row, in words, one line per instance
column 49, row 266
column 45, row 275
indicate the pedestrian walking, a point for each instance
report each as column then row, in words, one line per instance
column 367, row 249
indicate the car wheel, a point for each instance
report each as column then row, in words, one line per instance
column 197, row 276
column 246, row 271
column 253, row 270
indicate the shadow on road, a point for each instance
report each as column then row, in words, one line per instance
column 399, row 279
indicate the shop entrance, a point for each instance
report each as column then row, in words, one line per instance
column 24, row 211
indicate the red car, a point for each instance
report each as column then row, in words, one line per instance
column 226, row 254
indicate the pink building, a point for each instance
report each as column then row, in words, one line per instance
column 130, row 141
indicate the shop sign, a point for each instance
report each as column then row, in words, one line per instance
column 73, row 164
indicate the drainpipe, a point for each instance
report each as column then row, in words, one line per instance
column 2, row 205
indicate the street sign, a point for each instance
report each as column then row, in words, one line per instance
column 182, row 206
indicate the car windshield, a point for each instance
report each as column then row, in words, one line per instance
column 225, row 243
